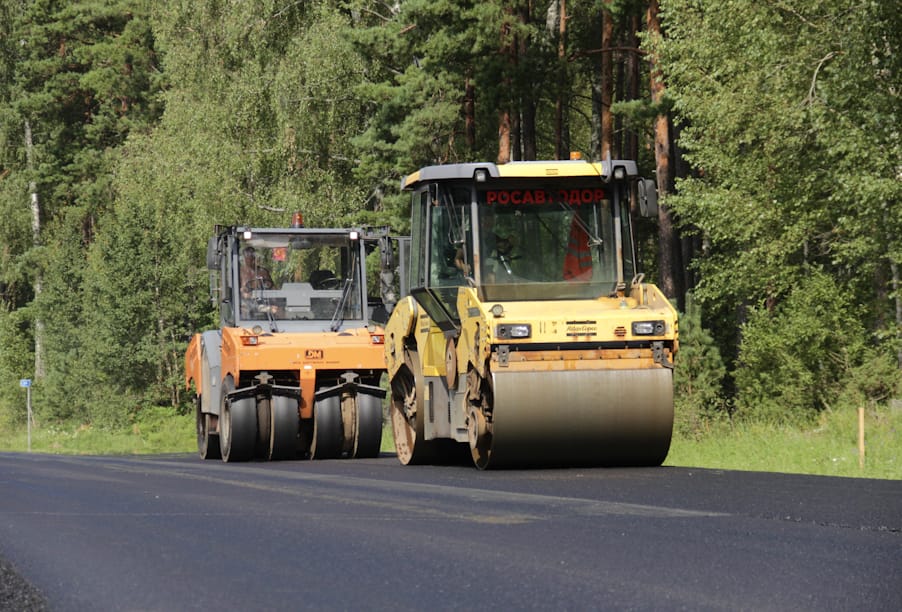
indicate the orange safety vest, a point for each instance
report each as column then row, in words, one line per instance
column 578, row 260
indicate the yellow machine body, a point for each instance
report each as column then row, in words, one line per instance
column 529, row 370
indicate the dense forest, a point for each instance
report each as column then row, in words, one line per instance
column 128, row 128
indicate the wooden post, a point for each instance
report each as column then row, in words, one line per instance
column 861, row 437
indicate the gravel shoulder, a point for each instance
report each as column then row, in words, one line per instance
column 18, row 594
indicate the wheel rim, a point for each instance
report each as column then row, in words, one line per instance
column 405, row 410
column 201, row 427
column 478, row 430
column 480, row 439
column 407, row 417
column 225, row 421
column 207, row 443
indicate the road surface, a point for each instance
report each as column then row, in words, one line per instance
column 176, row 533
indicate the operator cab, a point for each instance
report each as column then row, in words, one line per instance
column 292, row 279
column 521, row 231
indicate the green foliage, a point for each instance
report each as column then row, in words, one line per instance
column 82, row 76
column 424, row 55
column 16, row 261
column 16, row 362
column 786, row 179
column 875, row 379
column 60, row 394
column 698, row 375
column 807, row 354
column 154, row 121
column 788, row 114
column 317, row 115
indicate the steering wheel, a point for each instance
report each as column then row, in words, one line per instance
column 330, row 283
column 256, row 283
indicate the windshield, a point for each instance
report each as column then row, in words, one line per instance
column 299, row 277
column 550, row 243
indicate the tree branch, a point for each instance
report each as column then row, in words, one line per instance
column 588, row 52
column 810, row 98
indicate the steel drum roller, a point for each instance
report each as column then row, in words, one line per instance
column 588, row 417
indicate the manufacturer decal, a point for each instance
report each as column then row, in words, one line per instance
column 582, row 328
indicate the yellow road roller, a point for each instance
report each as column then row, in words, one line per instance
column 528, row 337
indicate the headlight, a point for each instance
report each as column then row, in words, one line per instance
column 648, row 328
column 513, row 330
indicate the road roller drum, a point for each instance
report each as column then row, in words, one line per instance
column 606, row 417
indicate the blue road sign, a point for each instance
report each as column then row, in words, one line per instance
column 25, row 382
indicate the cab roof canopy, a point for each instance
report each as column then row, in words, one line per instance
column 604, row 170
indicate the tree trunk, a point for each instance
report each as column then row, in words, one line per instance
column 561, row 139
column 607, row 81
column 507, row 49
column 596, row 138
column 504, row 136
column 526, row 112
column 633, row 68
column 666, row 238
column 470, row 114
column 528, row 125
column 36, row 241
column 596, row 84
column 516, row 143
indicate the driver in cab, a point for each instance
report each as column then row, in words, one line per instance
column 252, row 277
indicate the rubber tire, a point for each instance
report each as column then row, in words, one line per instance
column 207, row 443
column 237, row 426
column 368, row 438
column 327, row 431
column 284, row 425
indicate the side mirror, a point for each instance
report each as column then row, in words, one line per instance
column 379, row 314
column 213, row 253
column 387, row 274
column 648, row 198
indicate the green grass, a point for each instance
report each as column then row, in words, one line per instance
column 156, row 430
column 830, row 448
column 388, row 438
